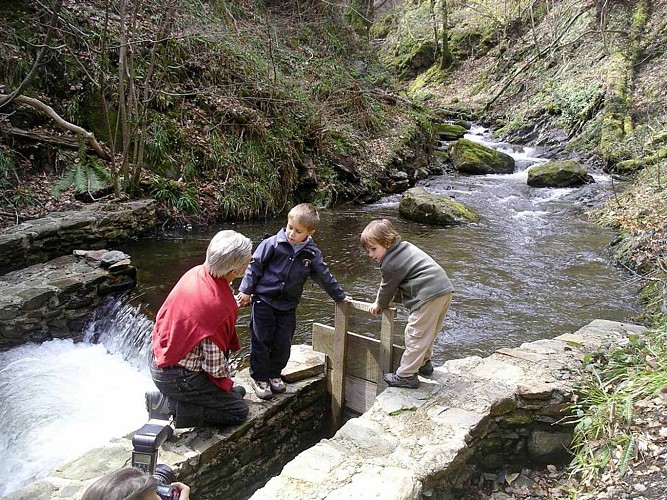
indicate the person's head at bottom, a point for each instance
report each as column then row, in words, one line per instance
column 129, row 483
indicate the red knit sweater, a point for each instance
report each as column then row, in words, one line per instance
column 199, row 306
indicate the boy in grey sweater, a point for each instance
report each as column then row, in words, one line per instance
column 424, row 289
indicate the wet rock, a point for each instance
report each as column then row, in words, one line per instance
column 559, row 174
column 470, row 157
column 420, row 205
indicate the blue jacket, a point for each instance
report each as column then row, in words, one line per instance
column 276, row 275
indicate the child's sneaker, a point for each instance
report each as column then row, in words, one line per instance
column 262, row 389
column 394, row 380
column 426, row 368
column 277, row 385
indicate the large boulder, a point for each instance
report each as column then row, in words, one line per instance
column 419, row 205
column 450, row 131
column 558, row 174
column 472, row 158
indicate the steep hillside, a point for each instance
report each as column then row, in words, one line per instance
column 583, row 79
column 218, row 109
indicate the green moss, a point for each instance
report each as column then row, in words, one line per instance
column 383, row 26
column 518, row 418
column 464, row 212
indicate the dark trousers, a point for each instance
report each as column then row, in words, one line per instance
column 195, row 400
column 271, row 332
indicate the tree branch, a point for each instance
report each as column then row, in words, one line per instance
column 49, row 111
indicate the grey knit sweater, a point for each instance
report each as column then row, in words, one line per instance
column 412, row 273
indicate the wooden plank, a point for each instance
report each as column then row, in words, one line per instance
column 338, row 363
column 385, row 354
column 359, row 394
column 362, row 352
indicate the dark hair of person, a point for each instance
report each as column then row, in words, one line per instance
column 128, row 483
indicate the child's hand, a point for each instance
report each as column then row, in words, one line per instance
column 347, row 299
column 243, row 299
column 375, row 309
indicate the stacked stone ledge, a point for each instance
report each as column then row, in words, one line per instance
column 473, row 414
column 48, row 286
column 55, row 299
column 95, row 227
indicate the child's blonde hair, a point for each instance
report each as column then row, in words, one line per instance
column 305, row 214
column 379, row 232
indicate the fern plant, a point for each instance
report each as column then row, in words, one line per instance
column 85, row 175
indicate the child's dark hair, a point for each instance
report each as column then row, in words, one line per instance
column 379, row 232
column 305, row 214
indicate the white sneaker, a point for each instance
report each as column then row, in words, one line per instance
column 277, row 385
column 262, row 389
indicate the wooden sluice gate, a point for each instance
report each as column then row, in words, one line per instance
column 356, row 363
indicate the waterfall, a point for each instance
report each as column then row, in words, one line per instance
column 61, row 398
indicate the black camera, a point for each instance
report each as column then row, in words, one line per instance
column 165, row 476
column 146, row 443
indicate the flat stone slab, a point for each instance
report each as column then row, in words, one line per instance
column 304, row 362
column 412, row 444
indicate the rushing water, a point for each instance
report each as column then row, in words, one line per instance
column 60, row 399
column 532, row 268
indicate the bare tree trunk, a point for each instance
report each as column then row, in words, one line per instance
column 105, row 104
column 123, row 105
column 446, row 58
column 617, row 122
column 142, row 113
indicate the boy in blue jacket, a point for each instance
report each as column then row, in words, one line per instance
column 274, row 281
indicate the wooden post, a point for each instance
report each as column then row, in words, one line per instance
column 338, row 364
column 386, row 347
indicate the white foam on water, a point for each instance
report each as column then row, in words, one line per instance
column 60, row 399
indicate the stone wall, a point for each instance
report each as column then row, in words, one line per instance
column 55, row 299
column 229, row 463
column 471, row 414
column 60, row 233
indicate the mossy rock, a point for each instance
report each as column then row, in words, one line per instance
column 450, row 131
column 558, row 174
column 419, row 205
column 472, row 158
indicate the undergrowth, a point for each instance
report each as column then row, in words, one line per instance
column 615, row 379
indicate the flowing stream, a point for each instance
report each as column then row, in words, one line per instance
column 533, row 267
